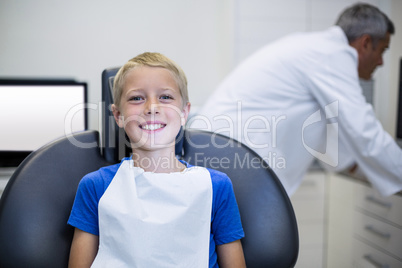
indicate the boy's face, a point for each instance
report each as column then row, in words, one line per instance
column 151, row 109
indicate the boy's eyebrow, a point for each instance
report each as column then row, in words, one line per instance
column 142, row 90
column 133, row 89
column 170, row 89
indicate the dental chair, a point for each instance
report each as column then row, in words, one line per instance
column 37, row 201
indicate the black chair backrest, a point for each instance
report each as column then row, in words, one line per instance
column 37, row 201
column 113, row 138
column 271, row 234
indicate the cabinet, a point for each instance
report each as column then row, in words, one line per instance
column 378, row 227
column 364, row 228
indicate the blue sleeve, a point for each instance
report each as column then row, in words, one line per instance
column 226, row 224
column 84, row 214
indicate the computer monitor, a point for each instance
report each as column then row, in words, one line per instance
column 399, row 115
column 36, row 112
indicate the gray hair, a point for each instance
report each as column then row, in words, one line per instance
column 361, row 19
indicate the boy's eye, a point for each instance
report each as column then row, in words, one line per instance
column 166, row 97
column 135, row 98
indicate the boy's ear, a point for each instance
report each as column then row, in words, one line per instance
column 185, row 113
column 117, row 116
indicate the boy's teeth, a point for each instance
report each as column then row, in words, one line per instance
column 152, row 126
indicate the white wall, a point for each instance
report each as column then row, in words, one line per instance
column 259, row 22
column 79, row 38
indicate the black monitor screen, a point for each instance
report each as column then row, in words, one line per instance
column 399, row 115
column 36, row 112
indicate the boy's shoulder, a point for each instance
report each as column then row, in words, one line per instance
column 220, row 181
column 218, row 175
column 103, row 176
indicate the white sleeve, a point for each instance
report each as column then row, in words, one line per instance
column 335, row 79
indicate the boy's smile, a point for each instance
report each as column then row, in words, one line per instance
column 152, row 126
column 151, row 110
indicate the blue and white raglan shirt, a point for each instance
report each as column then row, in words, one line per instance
column 225, row 218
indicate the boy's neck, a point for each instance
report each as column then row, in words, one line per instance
column 161, row 161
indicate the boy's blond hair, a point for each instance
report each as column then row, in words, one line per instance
column 150, row 59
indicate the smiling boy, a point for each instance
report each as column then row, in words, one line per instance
column 134, row 214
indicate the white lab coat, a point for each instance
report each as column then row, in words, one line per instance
column 298, row 99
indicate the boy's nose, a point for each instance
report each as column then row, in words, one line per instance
column 151, row 107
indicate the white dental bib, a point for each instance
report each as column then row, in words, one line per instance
column 155, row 219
